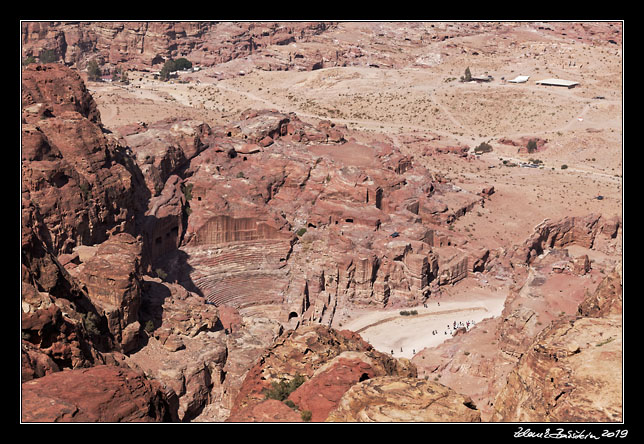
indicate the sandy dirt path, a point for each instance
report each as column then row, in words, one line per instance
column 388, row 331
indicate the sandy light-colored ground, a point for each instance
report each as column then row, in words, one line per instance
column 404, row 335
column 413, row 104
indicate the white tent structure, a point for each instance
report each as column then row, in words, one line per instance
column 558, row 82
column 519, row 79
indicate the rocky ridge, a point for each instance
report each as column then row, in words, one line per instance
column 557, row 303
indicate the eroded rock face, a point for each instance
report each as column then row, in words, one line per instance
column 572, row 372
column 56, row 310
column 328, row 361
column 285, row 222
column 102, row 393
column 573, row 369
column 583, row 231
column 394, row 399
column 143, row 44
column 81, row 182
column 51, row 89
column 112, row 278
column 607, row 298
column 161, row 148
column 559, row 283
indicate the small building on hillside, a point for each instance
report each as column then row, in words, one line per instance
column 519, row 79
column 558, row 82
column 479, row 79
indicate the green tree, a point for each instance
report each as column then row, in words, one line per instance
column 116, row 75
column 168, row 67
column 468, row 75
column 93, row 71
column 182, row 63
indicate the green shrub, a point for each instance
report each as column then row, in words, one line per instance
column 468, row 75
column 161, row 273
column 301, row 232
column 28, row 60
column 187, row 191
column 280, row 390
column 290, row 403
column 47, row 56
column 84, row 187
column 483, row 148
column 408, row 313
column 90, row 322
column 564, row 166
column 532, row 146
column 306, row 415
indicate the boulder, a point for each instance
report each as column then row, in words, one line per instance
column 396, row 399
column 99, row 394
column 327, row 361
column 112, row 278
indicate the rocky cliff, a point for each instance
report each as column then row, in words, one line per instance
column 572, row 371
column 556, row 322
column 146, row 44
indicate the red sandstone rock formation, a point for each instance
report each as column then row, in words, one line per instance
column 99, row 394
column 361, row 220
column 582, row 231
column 81, row 182
column 329, row 361
column 374, row 234
column 573, row 369
column 146, row 44
column 112, row 279
column 51, row 89
column 162, row 148
column 551, row 290
column 395, row 399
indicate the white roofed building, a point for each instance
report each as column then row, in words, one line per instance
column 558, row 82
column 519, row 79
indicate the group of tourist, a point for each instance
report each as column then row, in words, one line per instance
column 451, row 328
